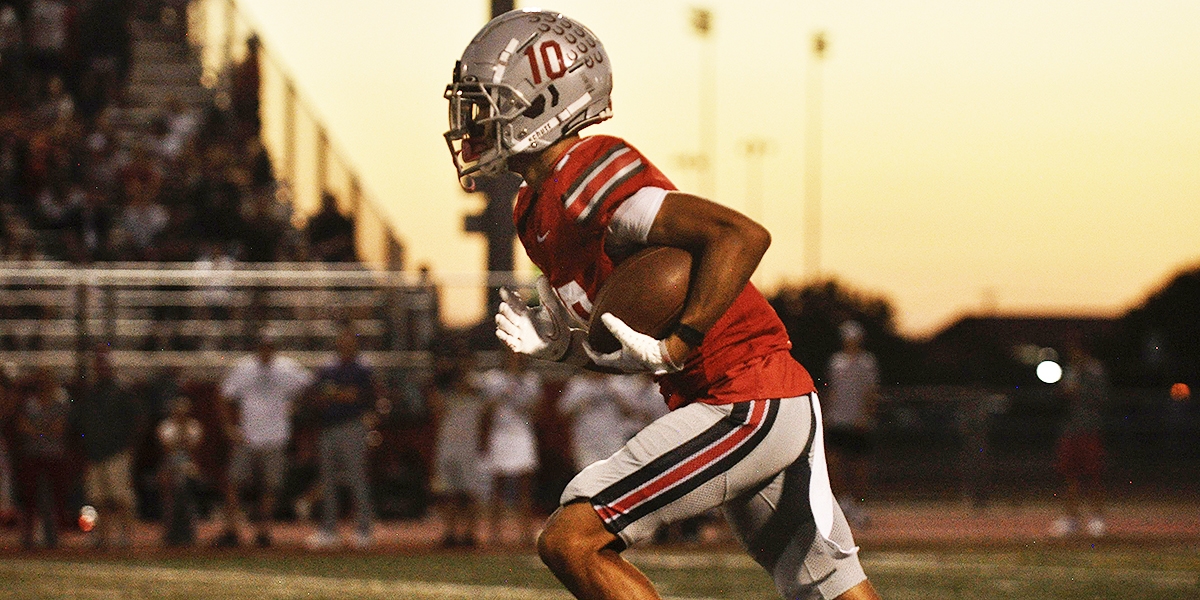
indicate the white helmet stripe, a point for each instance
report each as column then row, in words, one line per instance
column 502, row 62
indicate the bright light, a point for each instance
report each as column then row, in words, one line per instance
column 1048, row 371
column 87, row 518
column 1180, row 392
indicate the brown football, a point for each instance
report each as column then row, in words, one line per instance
column 647, row 291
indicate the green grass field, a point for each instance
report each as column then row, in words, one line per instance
column 1125, row 573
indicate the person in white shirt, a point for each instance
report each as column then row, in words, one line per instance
column 644, row 401
column 459, row 481
column 260, row 389
column 512, row 393
column 849, row 406
column 598, row 407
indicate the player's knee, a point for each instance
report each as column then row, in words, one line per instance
column 568, row 540
column 556, row 545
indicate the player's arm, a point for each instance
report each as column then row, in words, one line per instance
column 728, row 247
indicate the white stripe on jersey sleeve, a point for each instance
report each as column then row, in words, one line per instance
column 606, row 188
column 595, row 172
column 632, row 220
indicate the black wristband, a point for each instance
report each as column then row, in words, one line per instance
column 690, row 335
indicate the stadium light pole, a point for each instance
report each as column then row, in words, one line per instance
column 755, row 149
column 812, row 162
column 495, row 220
column 702, row 25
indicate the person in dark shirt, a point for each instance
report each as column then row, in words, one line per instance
column 108, row 419
column 42, row 417
column 330, row 233
column 342, row 397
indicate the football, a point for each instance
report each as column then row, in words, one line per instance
column 647, row 291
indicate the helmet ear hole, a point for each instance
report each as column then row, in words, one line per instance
column 536, row 108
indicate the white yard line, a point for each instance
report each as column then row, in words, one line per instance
column 270, row 585
column 917, row 564
column 912, row 563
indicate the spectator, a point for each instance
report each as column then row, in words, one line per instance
column 247, row 81
column 598, row 410
column 848, row 409
column 262, row 172
column 257, row 398
column 1079, row 452
column 141, row 222
column 179, row 435
column 264, row 225
column 42, row 472
column 48, row 36
column 88, row 227
column 13, row 76
column 57, row 204
column 56, row 107
column 8, row 413
column 645, row 401
column 512, row 393
column 330, row 233
column 108, row 419
column 458, row 479
column 216, row 295
column 343, row 397
column 105, row 45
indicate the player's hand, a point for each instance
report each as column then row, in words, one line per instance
column 639, row 352
column 539, row 331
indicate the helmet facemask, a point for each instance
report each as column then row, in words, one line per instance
column 479, row 115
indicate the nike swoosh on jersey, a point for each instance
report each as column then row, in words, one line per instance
column 542, row 237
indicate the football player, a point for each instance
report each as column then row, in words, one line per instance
column 744, row 429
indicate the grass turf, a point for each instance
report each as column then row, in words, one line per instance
column 1071, row 573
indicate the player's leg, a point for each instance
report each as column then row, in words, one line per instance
column 93, row 486
column 326, row 470
column 121, row 480
column 274, row 464
column 237, row 475
column 776, row 527
column 585, row 557
column 679, row 466
column 354, row 455
column 775, row 520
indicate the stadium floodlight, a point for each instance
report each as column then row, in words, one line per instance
column 1049, row 371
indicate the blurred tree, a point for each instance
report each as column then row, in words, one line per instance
column 813, row 312
column 1159, row 340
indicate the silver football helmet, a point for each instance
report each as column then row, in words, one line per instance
column 529, row 78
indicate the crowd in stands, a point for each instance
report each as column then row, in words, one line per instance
column 87, row 178
column 79, row 184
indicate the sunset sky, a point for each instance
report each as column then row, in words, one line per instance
column 1037, row 156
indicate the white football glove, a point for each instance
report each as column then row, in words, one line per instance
column 639, row 352
column 538, row 331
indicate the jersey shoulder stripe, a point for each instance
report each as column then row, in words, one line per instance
column 605, row 164
column 604, row 191
column 591, row 171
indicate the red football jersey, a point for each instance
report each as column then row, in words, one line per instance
column 564, row 225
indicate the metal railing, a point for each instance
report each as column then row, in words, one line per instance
column 310, row 163
column 195, row 317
